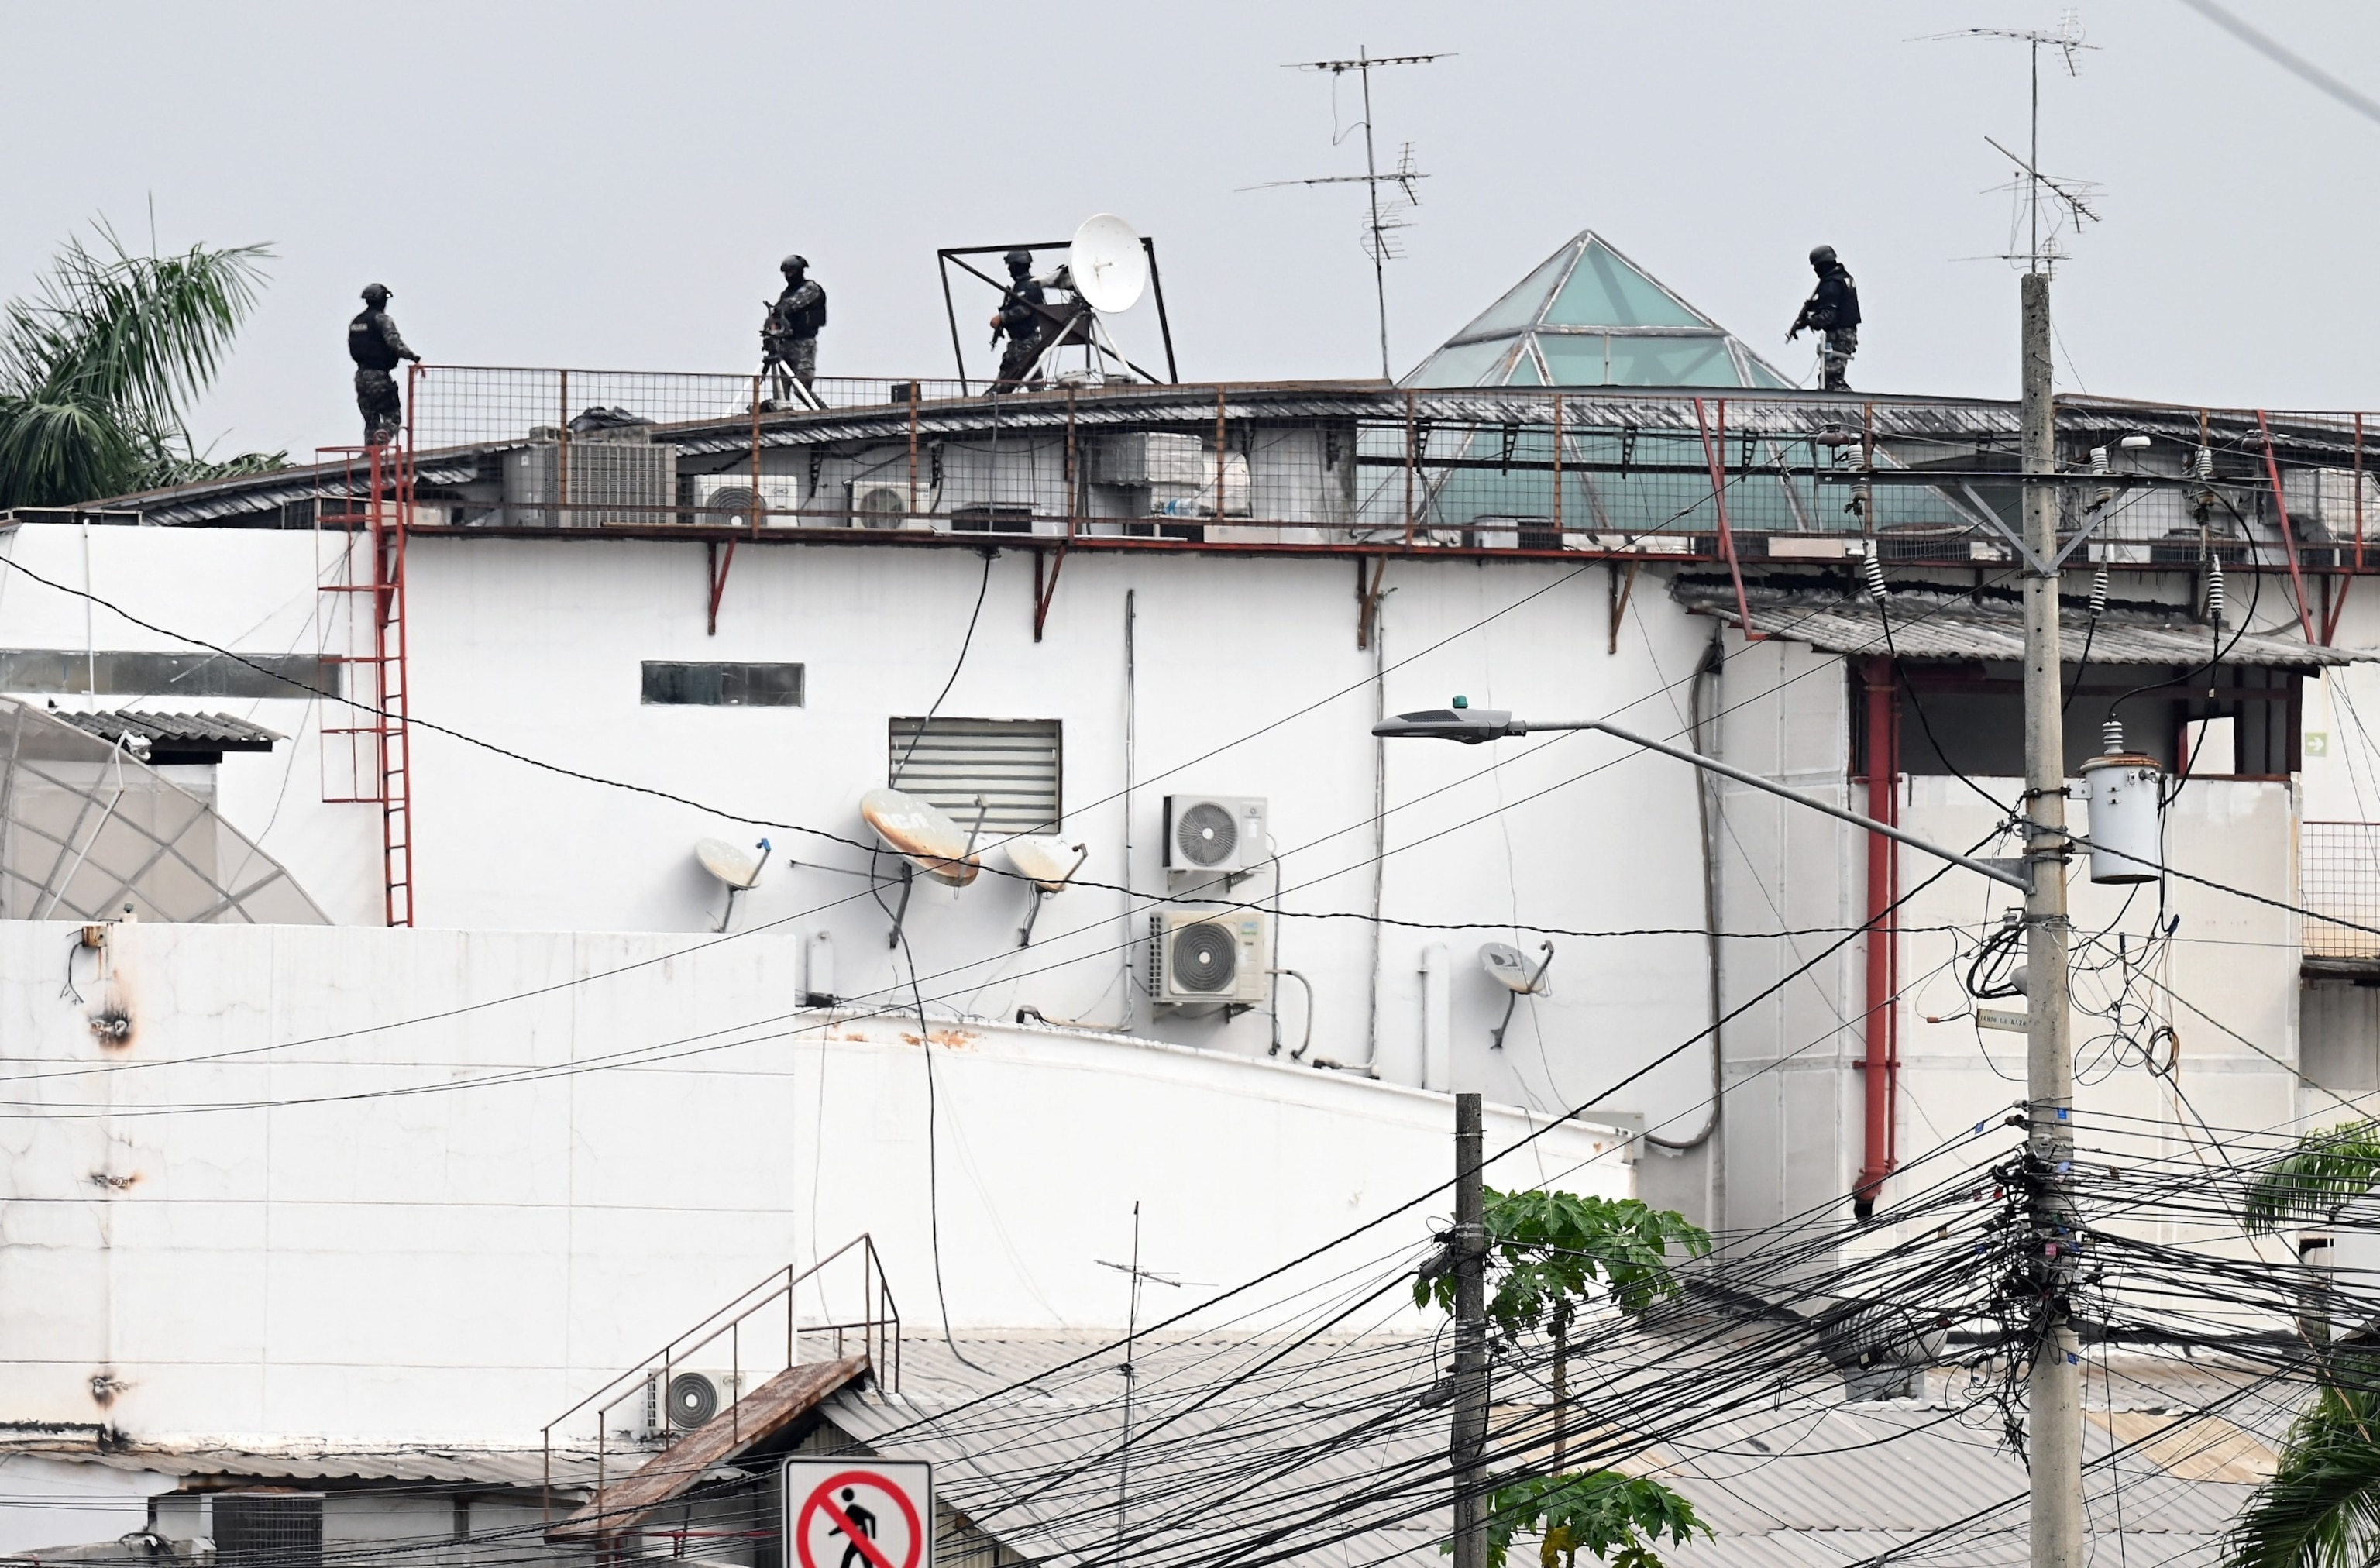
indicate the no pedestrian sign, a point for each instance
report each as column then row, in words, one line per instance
column 852, row 1513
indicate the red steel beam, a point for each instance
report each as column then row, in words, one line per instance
column 2288, row 536
column 1881, row 1027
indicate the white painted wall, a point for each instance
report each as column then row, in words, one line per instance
column 270, row 1215
column 535, row 645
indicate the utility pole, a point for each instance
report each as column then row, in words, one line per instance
column 2054, row 1428
column 1469, row 1441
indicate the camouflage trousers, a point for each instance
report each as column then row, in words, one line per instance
column 792, row 357
column 377, row 400
column 1836, row 357
column 1018, row 359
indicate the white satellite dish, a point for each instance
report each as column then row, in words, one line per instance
column 923, row 834
column 1048, row 862
column 737, row 866
column 1109, row 267
column 1504, row 961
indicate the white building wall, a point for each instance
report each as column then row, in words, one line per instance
column 272, row 1213
column 1247, row 681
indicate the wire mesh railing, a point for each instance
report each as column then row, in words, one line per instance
column 1783, row 477
column 2338, row 868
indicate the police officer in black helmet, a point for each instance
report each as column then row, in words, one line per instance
column 789, row 336
column 376, row 348
column 1832, row 310
column 1018, row 322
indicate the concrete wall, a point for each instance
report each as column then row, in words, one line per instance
column 1245, row 679
column 275, row 1212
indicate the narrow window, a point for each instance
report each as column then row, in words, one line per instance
column 1011, row 764
column 672, row 683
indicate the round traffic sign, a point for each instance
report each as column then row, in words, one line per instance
column 860, row 1518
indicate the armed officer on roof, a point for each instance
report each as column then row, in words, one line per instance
column 1832, row 310
column 789, row 337
column 375, row 347
column 1018, row 320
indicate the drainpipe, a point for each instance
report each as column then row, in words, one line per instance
column 1882, row 1064
column 1437, row 1018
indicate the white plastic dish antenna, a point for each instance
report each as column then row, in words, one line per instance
column 923, row 834
column 1503, row 960
column 731, row 864
column 1046, row 860
column 1516, row 974
column 1109, row 267
column 737, row 866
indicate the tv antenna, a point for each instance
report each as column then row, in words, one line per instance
column 2068, row 42
column 1377, row 229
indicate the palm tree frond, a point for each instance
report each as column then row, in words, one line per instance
column 2326, row 1172
column 2322, row 1507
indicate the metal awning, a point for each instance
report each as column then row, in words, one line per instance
column 177, row 737
column 1930, row 626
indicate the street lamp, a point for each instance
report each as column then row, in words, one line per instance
column 1469, row 726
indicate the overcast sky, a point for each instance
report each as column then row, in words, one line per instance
column 610, row 185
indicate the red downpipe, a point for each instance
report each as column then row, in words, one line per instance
column 1882, row 1064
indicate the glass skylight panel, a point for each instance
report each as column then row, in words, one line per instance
column 1462, row 365
column 1520, row 308
column 1607, row 292
column 1672, row 361
column 1576, row 360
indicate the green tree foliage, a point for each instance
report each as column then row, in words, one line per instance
column 1607, row 1514
column 98, row 365
column 2322, row 1507
column 1549, row 1254
column 2328, row 1171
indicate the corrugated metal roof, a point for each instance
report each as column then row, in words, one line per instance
column 218, row 732
column 301, row 1462
column 1929, row 625
column 1808, row 1484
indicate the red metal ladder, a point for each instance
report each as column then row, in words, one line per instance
column 368, row 507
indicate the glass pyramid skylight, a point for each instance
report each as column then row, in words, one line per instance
column 1591, row 317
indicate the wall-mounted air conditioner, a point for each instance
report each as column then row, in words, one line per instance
column 884, row 504
column 693, row 1397
column 1215, row 832
column 778, row 494
column 1196, row 957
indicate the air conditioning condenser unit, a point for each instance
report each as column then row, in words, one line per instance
column 1215, row 832
column 728, row 499
column 693, row 1397
column 1198, row 957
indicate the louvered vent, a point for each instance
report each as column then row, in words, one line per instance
column 1012, row 763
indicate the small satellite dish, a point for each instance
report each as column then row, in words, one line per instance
column 738, row 868
column 923, row 834
column 1109, row 267
column 1046, row 860
column 1504, row 961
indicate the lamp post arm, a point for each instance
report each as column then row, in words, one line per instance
column 1712, row 764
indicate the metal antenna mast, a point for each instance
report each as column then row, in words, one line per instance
column 1376, row 231
column 2068, row 41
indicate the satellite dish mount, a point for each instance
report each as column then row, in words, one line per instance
column 1503, row 960
column 1108, row 267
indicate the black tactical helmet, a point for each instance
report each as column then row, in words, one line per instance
column 1823, row 257
column 1016, row 259
column 794, row 265
column 375, row 295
